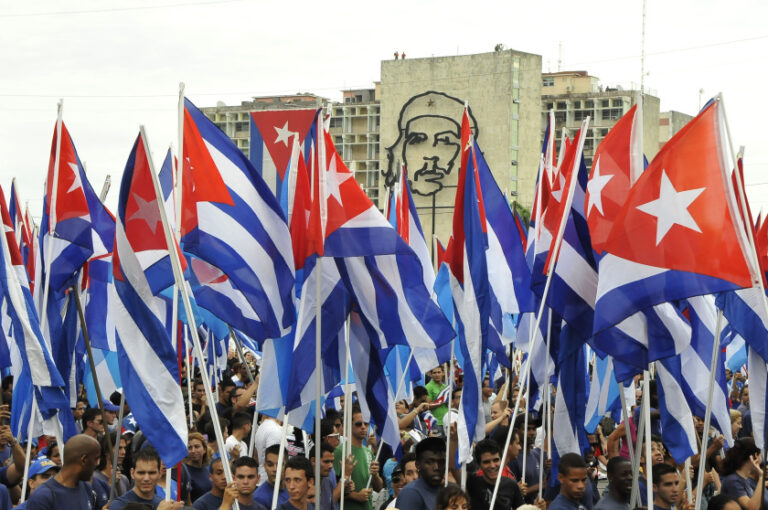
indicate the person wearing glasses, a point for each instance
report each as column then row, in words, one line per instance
column 363, row 466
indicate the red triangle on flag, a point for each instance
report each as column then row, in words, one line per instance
column 277, row 127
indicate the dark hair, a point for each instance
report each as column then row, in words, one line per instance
column 273, row 450
column 332, row 415
column 214, row 461
column 115, row 398
column 324, row 447
column 739, row 454
column 448, row 495
column 327, row 427
column 486, row 446
column 356, row 409
column 240, row 420
column 90, row 414
column 210, row 431
column 614, row 463
column 226, row 383
column 499, row 435
column 147, row 454
column 407, row 457
column 660, row 470
column 196, row 383
column 453, row 393
column 300, row 463
column 420, row 391
column 244, row 461
column 718, row 502
column 233, row 393
column 571, row 461
column 7, row 381
column 430, row 444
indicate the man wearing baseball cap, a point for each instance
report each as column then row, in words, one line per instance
column 40, row 471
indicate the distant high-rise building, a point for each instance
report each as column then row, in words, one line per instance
column 670, row 123
column 355, row 126
column 235, row 120
column 575, row 95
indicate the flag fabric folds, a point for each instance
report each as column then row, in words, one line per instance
column 231, row 221
column 142, row 269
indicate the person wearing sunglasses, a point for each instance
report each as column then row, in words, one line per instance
column 363, row 466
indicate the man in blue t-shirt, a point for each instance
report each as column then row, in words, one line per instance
column 572, row 475
column 145, row 474
column 421, row 494
column 39, row 472
column 70, row 488
column 263, row 494
column 211, row 500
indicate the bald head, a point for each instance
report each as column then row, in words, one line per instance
column 81, row 454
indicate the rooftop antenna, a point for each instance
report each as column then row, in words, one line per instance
column 559, row 55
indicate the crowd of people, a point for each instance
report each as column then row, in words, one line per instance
column 363, row 474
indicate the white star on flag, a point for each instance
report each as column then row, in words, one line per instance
column 333, row 180
column 283, row 134
column 147, row 211
column 595, row 187
column 76, row 182
column 671, row 208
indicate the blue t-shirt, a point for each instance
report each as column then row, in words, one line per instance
column 101, row 488
column 418, row 495
column 263, row 495
column 52, row 495
column 253, row 506
column 288, row 506
column 207, row 502
column 200, row 481
column 563, row 503
column 132, row 497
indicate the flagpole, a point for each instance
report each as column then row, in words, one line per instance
column 27, row 462
column 347, row 418
column 548, row 404
column 448, row 414
column 533, row 337
column 179, row 279
column 628, row 435
column 116, row 449
column 400, row 385
column 708, row 410
column 527, row 383
column 240, row 354
column 92, row 364
column 280, row 461
column 688, row 489
column 647, row 413
column 638, row 449
column 189, row 385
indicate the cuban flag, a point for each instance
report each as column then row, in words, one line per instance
column 231, row 221
column 142, row 269
column 23, row 229
column 735, row 349
column 376, row 396
column 273, row 133
column 467, row 262
column 604, row 395
column 568, row 433
column 99, row 303
column 108, row 373
column 33, row 368
column 657, row 332
column 683, row 205
column 677, row 429
column 696, row 361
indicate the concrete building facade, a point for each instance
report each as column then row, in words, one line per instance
column 422, row 103
column 670, row 123
column 575, row 95
column 355, row 126
column 235, row 120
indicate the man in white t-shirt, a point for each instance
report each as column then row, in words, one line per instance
column 268, row 433
column 241, row 428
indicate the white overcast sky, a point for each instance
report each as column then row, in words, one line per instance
column 118, row 64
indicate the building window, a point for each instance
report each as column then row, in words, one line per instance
column 612, row 114
column 559, row 116
column 589, row 103
column 618, row 102
column 603, row 132
column 550, row 106
column 577, row 105
column 605, row 103
column 548, row 81
column 580, row 115
column 561, row 105
column 337, row 140
column 336, row 122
